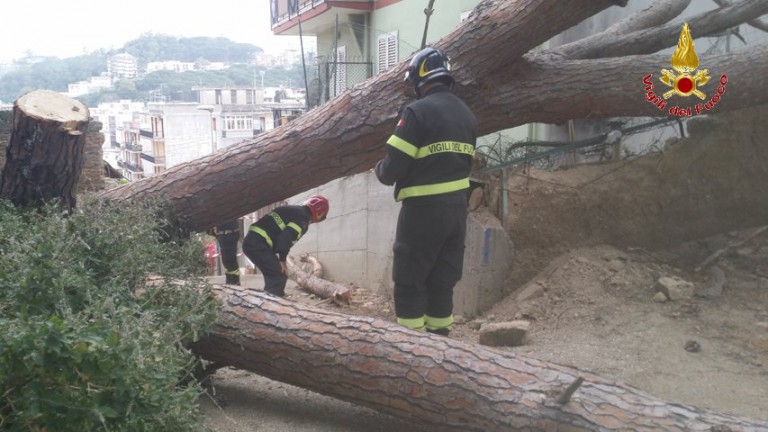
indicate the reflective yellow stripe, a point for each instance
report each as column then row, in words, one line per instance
column 433, row 323
column 278, row 220
column 234, row 272
column 403, row 145
column 446, row 147
column 262, row 233
column 297, row 229
column 433, row 189
column 412, row 323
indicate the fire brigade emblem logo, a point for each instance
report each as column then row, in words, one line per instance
column 684, row 80
column 684, row 61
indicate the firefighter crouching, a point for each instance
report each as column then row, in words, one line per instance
column 270, row 239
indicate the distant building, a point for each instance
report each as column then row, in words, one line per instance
column 244, row 112
column 114, row 117
column 285, row 60
column 148, row 140
column 170, row 65
column 92, row 85
column 122, row 65
column 214, row 66
column 164, row 135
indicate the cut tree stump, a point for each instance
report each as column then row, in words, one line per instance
column 444, row 384
column 314, row 282
column 45, row 152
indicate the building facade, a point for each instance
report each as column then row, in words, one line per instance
column 122, row 65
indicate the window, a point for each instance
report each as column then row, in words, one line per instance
column 233, row 97
column 340, row 73
column 387, row 50
column 238, row 122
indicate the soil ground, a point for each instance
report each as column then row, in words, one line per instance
column 594, row 309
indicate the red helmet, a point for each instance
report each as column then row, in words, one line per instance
column 318, row 206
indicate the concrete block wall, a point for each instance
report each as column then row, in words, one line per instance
column 92, row 174
column 354, row 243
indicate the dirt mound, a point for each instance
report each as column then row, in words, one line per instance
column 597, row 309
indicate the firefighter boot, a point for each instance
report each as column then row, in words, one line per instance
column 442, row 332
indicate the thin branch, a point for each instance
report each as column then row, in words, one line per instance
column 651, row 40
column 757, row 232
column 756, row 23
column 658, row 13
column 428, row 12
column 566, row 395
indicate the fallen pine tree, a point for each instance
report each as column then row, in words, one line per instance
column 444, row 384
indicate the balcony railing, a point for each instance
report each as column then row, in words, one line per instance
column 154, row 160
column 336, row 77
column 132, row 148
column 130, row 167
column 285, row 10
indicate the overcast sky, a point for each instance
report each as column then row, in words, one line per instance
column 66, row 28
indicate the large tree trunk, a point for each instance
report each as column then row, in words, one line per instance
column 445, row 384
column 504, row 86
column 45, row 153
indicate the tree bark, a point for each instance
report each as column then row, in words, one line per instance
column 45, row 152
column 347, row 135
column 444, row 384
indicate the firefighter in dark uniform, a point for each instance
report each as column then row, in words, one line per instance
column 428, row 159
column 228, row 234
column 270, row 239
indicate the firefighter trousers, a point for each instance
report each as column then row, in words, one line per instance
column 428, row 261
column 228, row 248
column 261, row 255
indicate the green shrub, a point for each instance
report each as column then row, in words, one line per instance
column 95, row 312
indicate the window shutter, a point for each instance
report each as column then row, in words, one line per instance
column 381, row 63
column 341, row 69
column 392, row 50
column 387, row 51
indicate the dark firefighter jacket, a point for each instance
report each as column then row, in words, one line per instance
column 431, row 151
column 282, row 228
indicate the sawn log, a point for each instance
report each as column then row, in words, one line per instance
column 313, row 281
